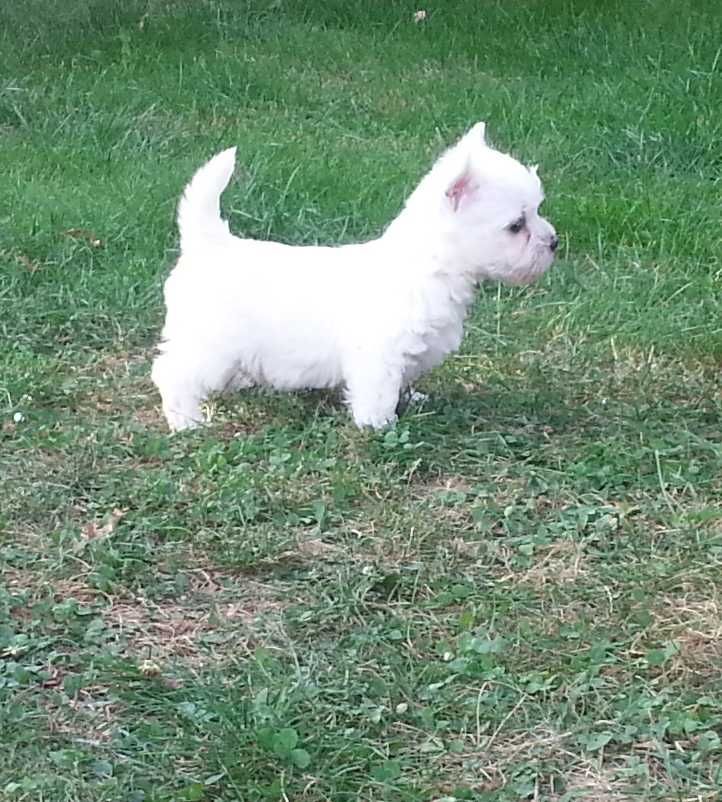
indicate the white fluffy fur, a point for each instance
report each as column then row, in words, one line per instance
column 370, row 318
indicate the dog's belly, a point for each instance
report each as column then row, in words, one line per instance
column 289, row 371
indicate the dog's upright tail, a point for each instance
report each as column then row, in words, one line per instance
column 199, row 210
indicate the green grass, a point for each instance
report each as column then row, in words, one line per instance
column 513, row 595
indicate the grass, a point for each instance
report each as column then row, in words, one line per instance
column 515, row 594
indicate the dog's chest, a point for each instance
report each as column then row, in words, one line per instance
column 440, row 341
column 437, row 333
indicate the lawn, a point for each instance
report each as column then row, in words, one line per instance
column 516, row 593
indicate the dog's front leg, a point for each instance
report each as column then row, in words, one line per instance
column 373, row 395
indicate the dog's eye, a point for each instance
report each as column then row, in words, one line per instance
column 517, row 225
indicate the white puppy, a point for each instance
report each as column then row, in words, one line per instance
column 370, row 318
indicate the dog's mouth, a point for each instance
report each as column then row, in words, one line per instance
column 523, row 280
column 533, row 271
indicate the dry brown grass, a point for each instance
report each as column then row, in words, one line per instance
column 560, row 563
column 89, row 717
column 592, row 783
column 118, row 385
column 213, row 621
column 216, row 618
column 33, row 583
column 489, row 762
column 693, row 622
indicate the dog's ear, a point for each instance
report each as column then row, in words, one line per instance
column 462, row 187
column 534, row 170
column 477, row 133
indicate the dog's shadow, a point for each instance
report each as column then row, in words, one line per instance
column 451, row 409
column 260, row 409
column 458, row 408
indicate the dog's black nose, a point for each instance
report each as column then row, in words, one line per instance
column 554, row 244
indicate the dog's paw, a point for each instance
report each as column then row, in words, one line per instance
column 177, row 422
column 376, row 422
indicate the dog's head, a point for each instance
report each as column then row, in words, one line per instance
column 490, row 212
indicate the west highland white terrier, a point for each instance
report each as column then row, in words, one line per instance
column 370, row 318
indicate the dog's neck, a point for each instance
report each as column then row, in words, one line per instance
column 431, row 253
column 441, row 293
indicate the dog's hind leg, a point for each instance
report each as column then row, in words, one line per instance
column 185, row 380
